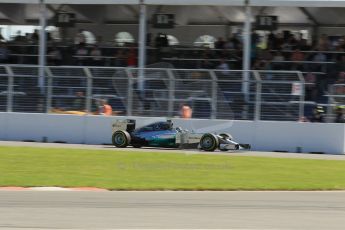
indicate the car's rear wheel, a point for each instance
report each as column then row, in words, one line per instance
column 209, row 142
column 136, row 145
column 121, row 139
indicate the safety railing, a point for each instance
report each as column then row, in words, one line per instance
column 215, row 94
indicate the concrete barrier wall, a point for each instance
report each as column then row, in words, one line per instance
column 281, row 136
column 262, row 135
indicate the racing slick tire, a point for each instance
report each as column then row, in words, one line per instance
column 226, row 136
column 136, row 145
column 121, row 139
column 209, row 142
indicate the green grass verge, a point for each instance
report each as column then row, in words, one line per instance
column 23, row 166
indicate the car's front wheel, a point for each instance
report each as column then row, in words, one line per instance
column 209, row 142
column 121, row 139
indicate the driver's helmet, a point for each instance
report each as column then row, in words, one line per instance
column 319, row 109
column 171, row 124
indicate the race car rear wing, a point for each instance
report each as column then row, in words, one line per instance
column 124, row 125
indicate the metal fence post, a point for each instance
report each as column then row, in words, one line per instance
column 330, row 101
column 88, row 88
column 301, row 98
column 214, row 94
column 257, row 116
column 49, row 89
column 129, row 92
column 171, row 93
column 10, row 88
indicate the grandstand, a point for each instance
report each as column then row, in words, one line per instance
column 202, row 59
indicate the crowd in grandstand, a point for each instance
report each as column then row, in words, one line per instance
column 322, row 61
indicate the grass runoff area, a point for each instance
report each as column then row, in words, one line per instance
column 122, row 170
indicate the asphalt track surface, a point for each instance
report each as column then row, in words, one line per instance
column 172, row 210
column 230, row 153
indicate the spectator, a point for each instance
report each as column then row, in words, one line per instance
column 223, row 65
column 81, row 53
column 262, row 65
column 79, row 101
column 253, row 52
column 271, row 41
column 259, row 65
column 279, row 41
column 49, row 37
column 105, row 109
column 310, row 87
column 35, row 36
column 303, row 45
column 54, row 56
column 236, row 42
column 341, row 78
column 120, row 58
column 99, row 40
column 80, row 38
column 336, row 72
column 148, row 39
column 255, row 39
column 186, row 112
column 318, row 114
column 341, row 43
column 340, row 64
column 297, row 57
column 96, row 56
column 4, row 53
column 28, row 37
column 220, row 43
column 161, row 40
column 293, row 41
column 278, row 56
column 207, row 54
column 19, row 37
column 323, row 43
column 303, row 119
column 131, row 58
column 206, row 64
column 340, row 114
column 286, row 46
column 2, row 39
column 319, row 57
column 340, row 89
column 265, row 55
column 229, row 44
column 278, row 60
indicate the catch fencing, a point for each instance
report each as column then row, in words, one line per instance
column 212, row 94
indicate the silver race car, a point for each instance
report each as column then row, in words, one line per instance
column 163, row 134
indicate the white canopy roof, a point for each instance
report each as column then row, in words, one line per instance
column 98, row 2
column 20, row 1
column 299, row 3
column 149, row 2
column 187, row 12
column 292, row 3
column 197, row 2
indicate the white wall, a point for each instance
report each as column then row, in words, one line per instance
column 262, row 135
column 280, row 136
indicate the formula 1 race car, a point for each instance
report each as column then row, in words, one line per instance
column 163, row 134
